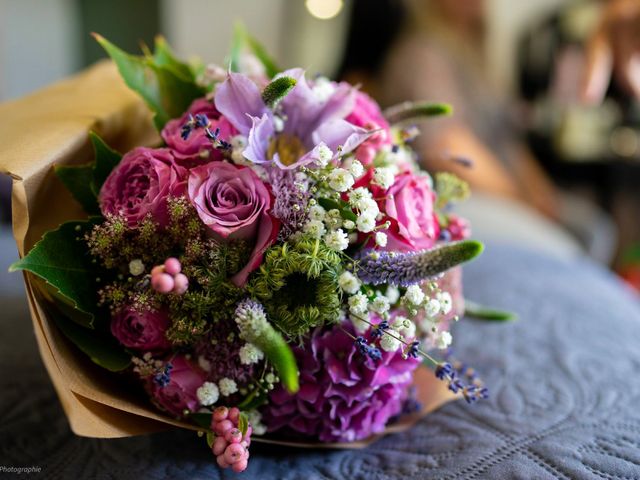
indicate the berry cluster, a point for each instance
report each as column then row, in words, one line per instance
column 230, row 446
column 167, row 278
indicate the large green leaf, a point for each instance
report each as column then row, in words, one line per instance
column 61, row 259
column 101, row 347
column 106, row 160
column 243, row 41
column 163, row 56
column 158, row 79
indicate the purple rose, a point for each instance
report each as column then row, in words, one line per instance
column 234, row 203
column 197, row 148
column 180, row 393
column 141, row 330
column 140, row 184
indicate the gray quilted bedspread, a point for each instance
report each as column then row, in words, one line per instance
column 564, row 379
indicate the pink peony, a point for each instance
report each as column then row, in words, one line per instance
column 409, row 207
column 197, row 148
column 344, row 396
column 140, row 184
column 179, row 393
column 234, row 203
column 142, row 331
column 367, row 114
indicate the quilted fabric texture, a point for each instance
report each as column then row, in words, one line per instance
column 565, row 391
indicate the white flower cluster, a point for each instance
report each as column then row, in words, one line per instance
column 250, row 354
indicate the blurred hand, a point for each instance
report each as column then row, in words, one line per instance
column 614, row 48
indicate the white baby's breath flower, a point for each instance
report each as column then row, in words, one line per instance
column 348, row 282
column 227, row 386
column 366, row 223
column 314, row 228
column 136, row 267
column 323, row 89
column 405, row 326
column 432, row 307
column 337, row 240
column 255, row 420
column 388, row 343
column 383, row 176
column 204, row 364
column 333, row 219
column 392, row 293
column 317, row 213
column 278, row 123
column 349, row 224
column 414, row 295
column 208, row 394
column 238, row 144
column 357, row 194
column 360, row 325
column 358, row 303
column 380, row 305
column 340, row 180
column 381, row 239
column 356, row 169
column 368, row 206
column 324, row 156
column 446, row 302
column 443, row 340
column 250, row 354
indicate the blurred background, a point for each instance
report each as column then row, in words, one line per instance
column 551, row 172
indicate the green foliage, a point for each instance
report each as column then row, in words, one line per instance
column 277, row 90
column 166, row 85
column 450, row 189
column 101, row 347
column 85, row 181
column 411, row 111
column 255, row 399
column 210, row 439
column 60, row 258
column 243, row 423
column 481, row 312
column 298, row 286
column 243, row 42
column 345, row 209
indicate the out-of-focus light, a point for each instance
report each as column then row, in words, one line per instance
column 324, row 9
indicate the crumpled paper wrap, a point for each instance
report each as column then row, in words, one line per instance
column 50, row 128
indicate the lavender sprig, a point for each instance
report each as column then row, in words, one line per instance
column 404, row 269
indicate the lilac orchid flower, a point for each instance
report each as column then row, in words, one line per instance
column 301, row 128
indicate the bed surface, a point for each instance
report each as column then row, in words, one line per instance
column 564, row 381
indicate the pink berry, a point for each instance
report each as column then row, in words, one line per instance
column 245, row 443
column 219, row 446
column 222, row 463
column 234, row 414
column 249, row 432
column 220, row 413
column 181, row 283
column 162, row 282
column 233, row 436
column 240, row 465
column 223, row 426
column 157, row 270
column 172, row 266
column 234, row 452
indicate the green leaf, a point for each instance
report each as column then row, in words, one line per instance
column 163, row 56
column 210, row 438
column 345, row 209
column 61, row 259
column 164, row 88
column 101, row 347
column 481, row 312
column 243, row 41
column 106, row 159
column 255, row 399
column 277, row 90
column 201, row 419
column 243, row 423
column 411, row 111
column 79, row 180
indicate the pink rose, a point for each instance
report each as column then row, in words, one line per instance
column 234, row 203
column 180, row 393
column 197, row 148
column 367, row 114
column 458, row 228
column 409, row 207
column 140, row 185
column 141, row 331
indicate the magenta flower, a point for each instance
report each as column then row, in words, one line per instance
column 235, row 204
column 143, row 331
column 310, row 121
column 140, row 185
column 179, row 393
column 197, row 148
column 344, row 396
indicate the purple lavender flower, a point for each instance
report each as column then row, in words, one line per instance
column 310, row 123
column 291, row 198
column 344, row 396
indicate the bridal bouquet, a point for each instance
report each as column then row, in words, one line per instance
column 280, row 265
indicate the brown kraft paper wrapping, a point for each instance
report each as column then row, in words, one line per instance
column 51, row 128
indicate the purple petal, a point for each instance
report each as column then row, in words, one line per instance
column 237, row 97
column 258, row 142
column 340, row 132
